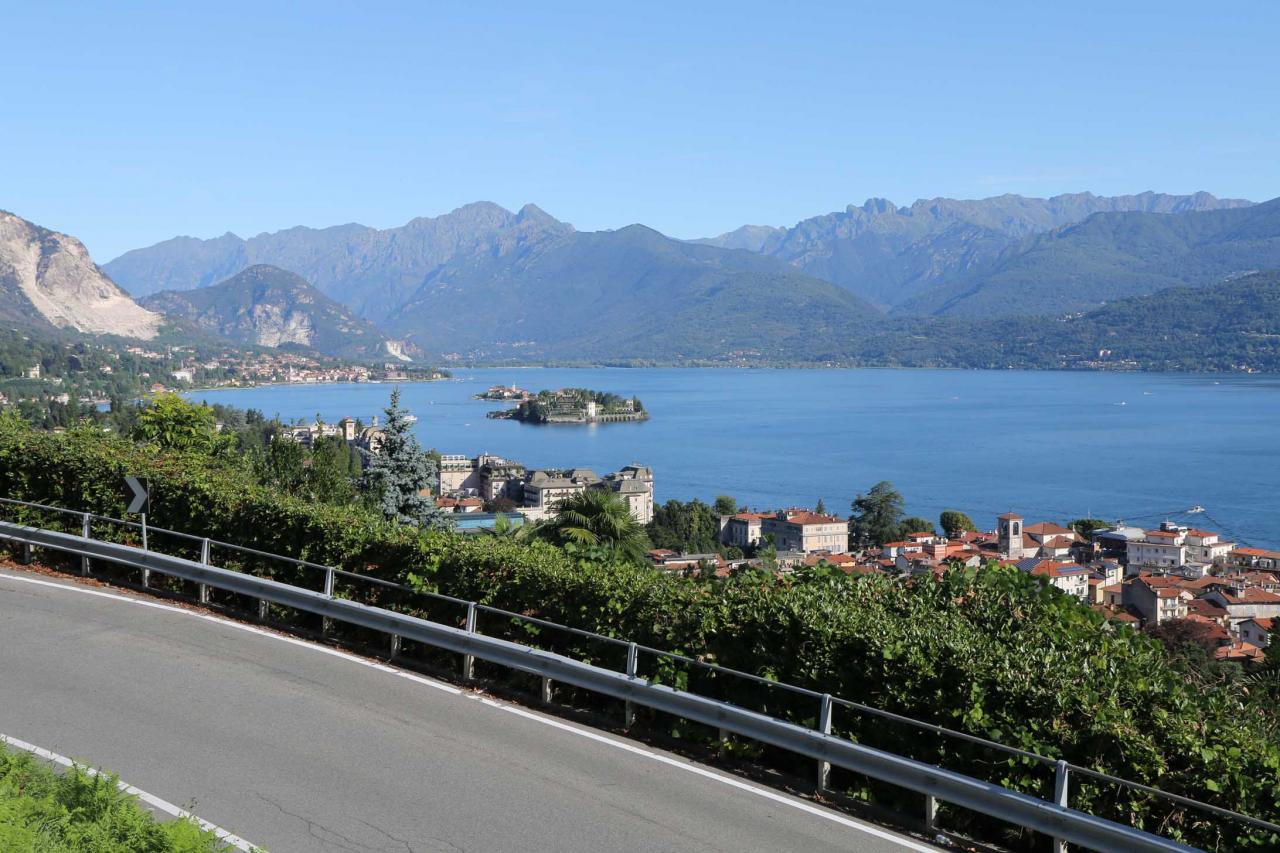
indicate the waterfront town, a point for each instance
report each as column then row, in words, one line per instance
column 92, row 374
column 1225, row 592
column 1228, row 593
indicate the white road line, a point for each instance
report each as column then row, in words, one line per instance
column 635, row 749
column 150, row 799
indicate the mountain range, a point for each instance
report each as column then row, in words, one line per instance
column 48, row 280
column 485, row 284
column 889, row 254
column 267, row 306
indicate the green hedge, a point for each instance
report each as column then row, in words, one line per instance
column 992, row 652
column 45, row 812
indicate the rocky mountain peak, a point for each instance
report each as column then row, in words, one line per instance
column 51, row 278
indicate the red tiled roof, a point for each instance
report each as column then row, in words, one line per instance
column 1239, row 650
column 805, row 517
column 1214, row 630
column 1047, row 528
column 1010, row 516
column 1204, row 607
column 1250, row 595
column 1257, row 552
column 1054, row 569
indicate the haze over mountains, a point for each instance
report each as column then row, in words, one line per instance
column 267, row 306
column 889, row 255
column 484, row 283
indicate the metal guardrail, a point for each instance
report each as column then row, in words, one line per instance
column 937, row 784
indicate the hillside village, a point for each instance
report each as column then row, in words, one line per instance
column 480, row 489
column 1227, row 594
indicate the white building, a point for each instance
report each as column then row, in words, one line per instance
column 807, row 532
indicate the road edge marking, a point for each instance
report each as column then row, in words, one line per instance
column 599, row 737
column 151, row 800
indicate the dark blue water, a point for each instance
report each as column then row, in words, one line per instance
column 1049, row 445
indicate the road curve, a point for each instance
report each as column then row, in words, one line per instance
column 299, row 748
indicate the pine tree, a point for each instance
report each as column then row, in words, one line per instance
column 396, row 475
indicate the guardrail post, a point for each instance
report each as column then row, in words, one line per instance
column 204, row 561
column 930, row 813
column 1060, row 796
column 395, row 646
column 146, row 573
column 633, row 661
column 326, row 624
column 546, row 690
column 87, row 532
column 469, row 661
column 824, row 726
column 28, row 554
column 262, row 609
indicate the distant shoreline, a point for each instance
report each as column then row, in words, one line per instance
column 305, row 384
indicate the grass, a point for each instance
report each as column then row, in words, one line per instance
column 42, row 811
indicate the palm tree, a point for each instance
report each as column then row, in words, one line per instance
column 505, row 528
column 596, row 517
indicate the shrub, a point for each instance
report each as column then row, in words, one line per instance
column 992, row 652
column 43, row 811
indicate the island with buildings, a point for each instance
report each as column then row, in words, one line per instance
column 504, row 394
column 566, row 406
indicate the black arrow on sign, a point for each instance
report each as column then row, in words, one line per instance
column 139, row 501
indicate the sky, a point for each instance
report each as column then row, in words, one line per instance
column 128, row 123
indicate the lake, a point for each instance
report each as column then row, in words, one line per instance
column 1049, row 445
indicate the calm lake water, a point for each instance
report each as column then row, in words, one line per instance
column 1048, row 445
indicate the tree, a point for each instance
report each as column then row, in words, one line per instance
column 399, row 477
column 500, row 504
column 953, row 523
column 690, row 527
column 331, row 478
column 1086, row 526
column 726, row 505
column 596, row 518
column 283, row 465
column 172, row 423
column 821, row 508
column 505, row 528
column 876, row 517
column 914, row 524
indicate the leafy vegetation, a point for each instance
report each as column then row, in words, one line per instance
column 571, row 404
column 46, row 812
column 953, row 523
column 400, row 476
column 990, row 651
column 689, row 528
column 598, row 520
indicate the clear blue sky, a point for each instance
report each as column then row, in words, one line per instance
column 125, row 124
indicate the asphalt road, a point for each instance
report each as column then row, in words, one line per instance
column 297, row 748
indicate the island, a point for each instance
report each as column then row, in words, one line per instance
column 504, row 394
column 571, row 406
